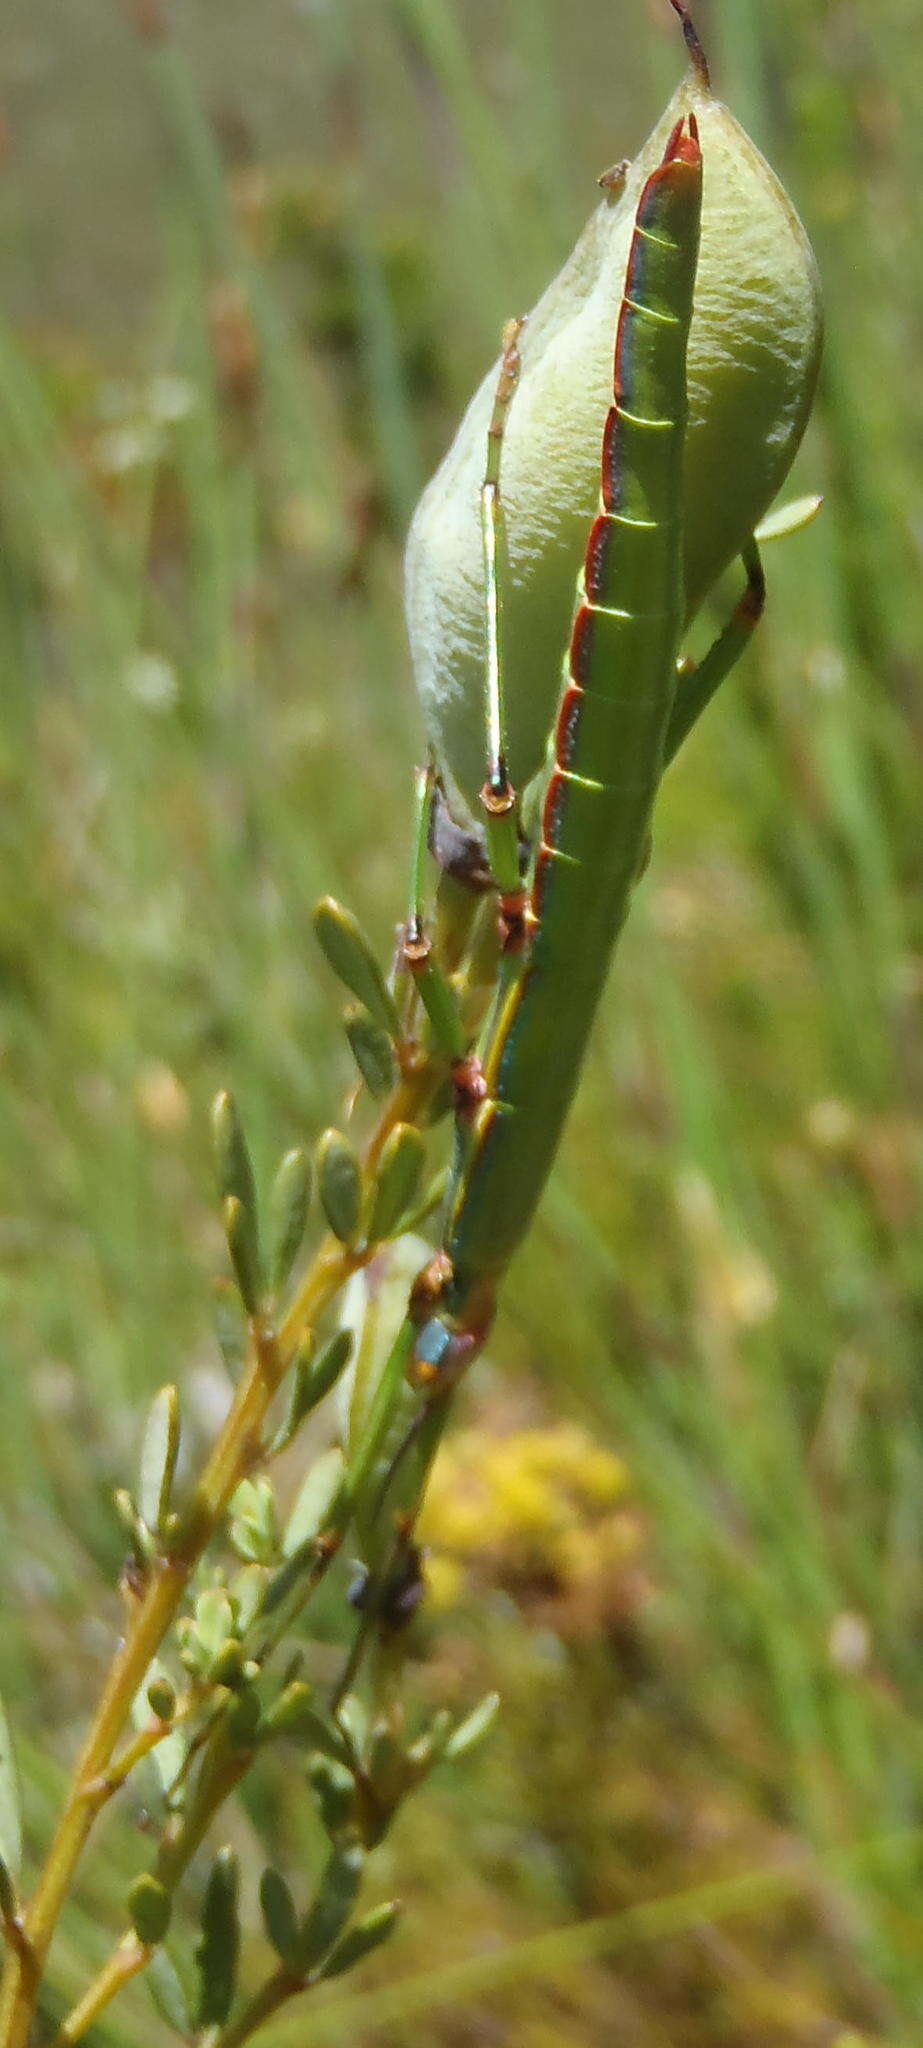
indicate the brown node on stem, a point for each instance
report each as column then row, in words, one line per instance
column 512, row 921
column 416, row 948
column 469, row 1088
column 499, row 798
column 133, row 1579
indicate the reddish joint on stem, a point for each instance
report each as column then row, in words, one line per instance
column 415, row 947
column 512, row 921
column 469, row 1087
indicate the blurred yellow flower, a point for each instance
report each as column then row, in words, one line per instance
column 542, row 1511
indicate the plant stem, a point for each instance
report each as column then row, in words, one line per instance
column 233, row 1455
column 131, row 1956
column 277, row 1990
column 230, row 1458
column 145, row 1632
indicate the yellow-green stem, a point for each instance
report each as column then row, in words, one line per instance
column 232, row 1456
column 131, row 1956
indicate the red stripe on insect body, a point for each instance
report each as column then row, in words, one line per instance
column 553, row 809
column 542, row 879
column 681, row 156
column 581, row 647
column 625, row 340
column 567, row 729
column 595, row 566
column 511, row 921
column 587, row 733
column 611, row 469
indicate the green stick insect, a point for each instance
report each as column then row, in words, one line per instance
column 716, row 319
column 610, row 738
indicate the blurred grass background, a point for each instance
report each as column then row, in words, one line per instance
column 252, row 268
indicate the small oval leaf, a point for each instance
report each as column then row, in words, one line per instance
column 475, row 1726
column 312, row 1378
column 368, row 1934
column 316, row 1498
column 289, row 1204
column 293, row 1713
column 336, row 1794
column 340, row 1184
column 279, row 1916
column 399, row 1172
column 337, row 1894
column 230, row 1328
column 167, row 1756
column 233, row 1165
column 350, row 955
column 168, row 1993
column 149, row 1906
column 161, row 1698
column 299, row 1399
column 217, row 1949
column 786, row 519
column 330, row 1362
column 241, row 1235
column 370, row 1045
column 159, row 1448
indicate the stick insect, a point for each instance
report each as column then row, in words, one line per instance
column 626, row 704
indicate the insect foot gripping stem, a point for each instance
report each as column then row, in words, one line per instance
column 469, row 1087
column 754, row 349
column 449, row 1335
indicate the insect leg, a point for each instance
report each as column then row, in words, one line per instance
column 435, row 991
column 498, row 797
column 697, row 684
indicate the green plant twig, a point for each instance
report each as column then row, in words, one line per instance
column 235, row 1452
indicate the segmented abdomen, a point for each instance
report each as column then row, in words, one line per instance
column 619, row 681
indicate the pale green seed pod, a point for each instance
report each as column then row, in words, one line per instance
column 754, row 350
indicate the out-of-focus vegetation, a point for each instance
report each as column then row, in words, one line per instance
column 254, row 262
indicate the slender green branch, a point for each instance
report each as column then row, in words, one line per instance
column 276, row 1992
column 146, row 1740
column 126, row 1961
column 236, row 1450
